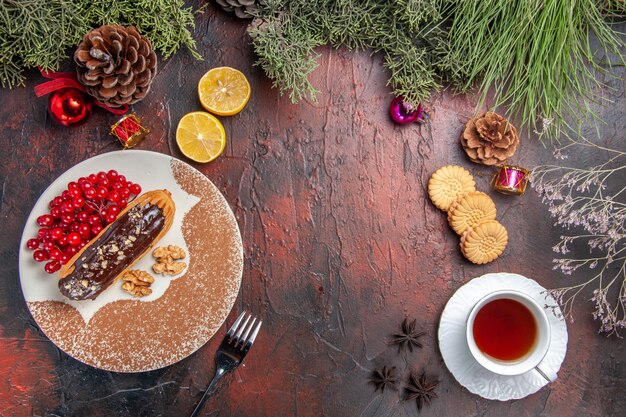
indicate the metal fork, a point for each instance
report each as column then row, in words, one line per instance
column 231, row 352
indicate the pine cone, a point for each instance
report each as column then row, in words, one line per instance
column 242, row 8
column 489, row 139
column 116, row 64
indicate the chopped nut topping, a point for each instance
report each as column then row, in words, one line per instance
column 84, row 283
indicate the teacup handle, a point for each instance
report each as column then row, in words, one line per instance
column 546, row 372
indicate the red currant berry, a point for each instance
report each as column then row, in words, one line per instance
column 114, row 196
column 73, row 185
column 122, row 203
column 52, row 267
column 67, row 207
column 90, row 192
column 102, row 192
column 65, row 258
column 56, row 201
column 55, row 212
column 73, row 239
column 43, row 233
column 89, row 208
column 82, row 216
column 71, row 251
column 84, row 186
column 124, row 193
column 65, row 195
column 45, row 220
column 40, row 255
column 55, row 233
column 75, row 192
column 105, row 183
column 113, row 209
column 84, row 230
column 82, row 244
column 48, row 245
column 93, row 178
column 33, row 244
column 67, row 219
column 135, row 189
column 62, row 240
column 78, row 202
column 55, row 254
column 110, row 218
column 96, row 229
column 94, row 219
column 102, row 175
column 112, row 174
column 74, row 226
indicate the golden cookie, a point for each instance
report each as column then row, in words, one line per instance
column 470, row 210
column 484, row 243
column 447, row 184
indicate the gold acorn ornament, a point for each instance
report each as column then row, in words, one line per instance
column 116, row 64
column 489, row 139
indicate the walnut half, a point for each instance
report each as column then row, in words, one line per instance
column 166, row 257
column 162, row 253
column 137, row 282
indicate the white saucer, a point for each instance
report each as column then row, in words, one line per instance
column 461, row 363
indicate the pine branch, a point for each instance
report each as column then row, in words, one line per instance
column 38, row 33
column 407, row 32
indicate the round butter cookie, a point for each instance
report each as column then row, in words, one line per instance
column 470, row 210
column 447, row 184
column 484, row 243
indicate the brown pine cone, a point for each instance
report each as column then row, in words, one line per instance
column 242, row 8
column 116, row 64
column 489, row 139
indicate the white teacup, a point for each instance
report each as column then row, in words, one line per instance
column 532, row 360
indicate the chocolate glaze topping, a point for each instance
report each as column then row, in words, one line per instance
column 121, row 243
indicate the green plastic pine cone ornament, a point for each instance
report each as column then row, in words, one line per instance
column 116, row 64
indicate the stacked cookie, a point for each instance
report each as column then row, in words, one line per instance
column 471, row 213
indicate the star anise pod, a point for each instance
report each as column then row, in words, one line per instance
column 421, row 390
column 408, row 336
column 383, row 378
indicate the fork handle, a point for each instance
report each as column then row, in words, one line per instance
column 218, row 374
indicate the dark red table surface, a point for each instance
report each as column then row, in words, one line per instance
column 340, row 242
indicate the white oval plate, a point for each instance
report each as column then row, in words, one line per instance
column 117, row 331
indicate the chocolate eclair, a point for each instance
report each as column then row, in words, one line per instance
column 118, row 246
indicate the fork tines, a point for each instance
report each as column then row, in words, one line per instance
column 240, row 339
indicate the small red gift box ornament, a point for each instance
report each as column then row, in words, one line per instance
column 511, row 180
column 129, row 131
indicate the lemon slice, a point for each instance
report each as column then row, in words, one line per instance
column 200, row 136
column 224, row 91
